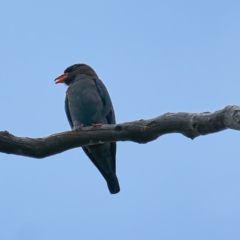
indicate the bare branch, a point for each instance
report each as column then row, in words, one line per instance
column 189, row 124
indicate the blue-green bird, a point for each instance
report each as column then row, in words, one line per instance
column 88, row 103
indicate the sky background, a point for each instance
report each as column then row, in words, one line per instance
column 154, row 57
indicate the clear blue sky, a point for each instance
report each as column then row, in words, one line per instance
column 154, row 57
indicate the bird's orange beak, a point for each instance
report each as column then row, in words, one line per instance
column 61, row 78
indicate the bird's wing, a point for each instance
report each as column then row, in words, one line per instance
column 108, row 111
column 67, row 112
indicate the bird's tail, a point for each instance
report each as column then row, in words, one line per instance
column 112, row 183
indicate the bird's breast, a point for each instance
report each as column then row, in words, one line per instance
column 85, row 104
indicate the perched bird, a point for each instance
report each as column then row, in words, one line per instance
column 88, row 103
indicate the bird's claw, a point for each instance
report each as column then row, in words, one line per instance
column 78, row 128
column 95, row 125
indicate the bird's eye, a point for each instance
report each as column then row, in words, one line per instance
column 74, row 68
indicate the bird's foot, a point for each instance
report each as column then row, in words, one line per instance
column 78, row 128
column 95, row 125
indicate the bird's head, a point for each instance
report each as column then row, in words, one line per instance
column 71, row 72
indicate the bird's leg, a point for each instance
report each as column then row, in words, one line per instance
column 95, row 125
column 78, row 128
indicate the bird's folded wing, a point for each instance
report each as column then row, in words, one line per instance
column 108, row 110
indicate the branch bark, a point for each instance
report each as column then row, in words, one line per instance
column 190, row 125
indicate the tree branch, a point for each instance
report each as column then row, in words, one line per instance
column 189, row 124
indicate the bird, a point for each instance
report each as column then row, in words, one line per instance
column 88, row 103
